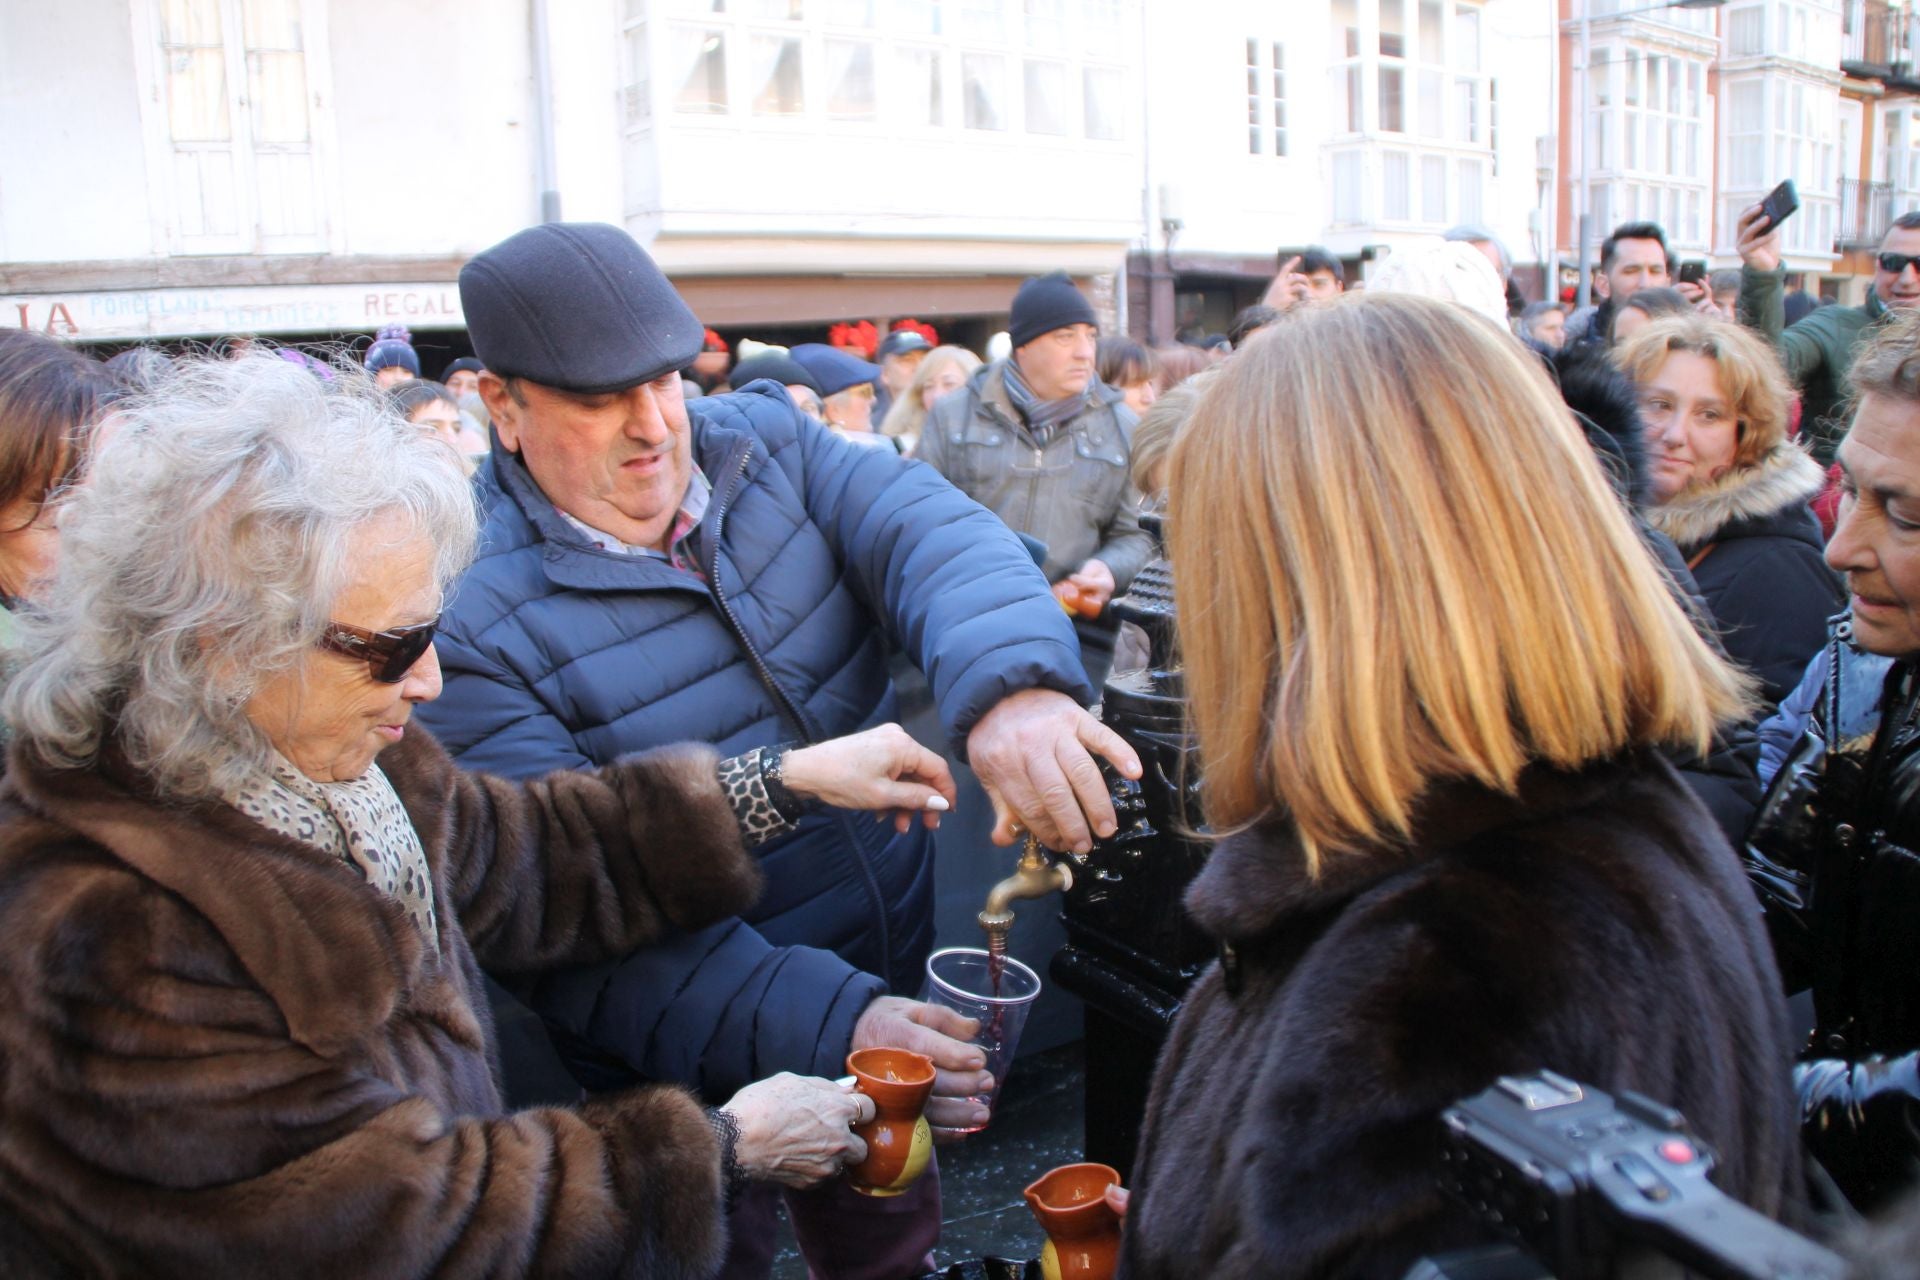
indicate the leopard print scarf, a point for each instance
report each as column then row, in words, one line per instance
column 360, row 821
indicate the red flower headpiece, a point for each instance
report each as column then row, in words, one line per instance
column 926, row 331
column 862, row 338
column 714, row 342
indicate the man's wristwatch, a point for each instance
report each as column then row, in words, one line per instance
column 789, row 806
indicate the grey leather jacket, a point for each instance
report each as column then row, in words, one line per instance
column 1075, row 495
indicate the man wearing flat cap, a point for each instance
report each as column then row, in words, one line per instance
column 730, row 571
column 1040, row 441
column 789, row 373
column 846, row 381
column 899, row 355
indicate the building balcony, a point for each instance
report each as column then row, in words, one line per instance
column 1866, row 211
column 1875, row 40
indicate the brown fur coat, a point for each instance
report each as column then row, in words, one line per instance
column 222, row 1053
column 1596, row 924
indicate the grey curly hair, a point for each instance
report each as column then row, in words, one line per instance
column 204, row 554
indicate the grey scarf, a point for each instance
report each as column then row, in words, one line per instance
column 1043, row 417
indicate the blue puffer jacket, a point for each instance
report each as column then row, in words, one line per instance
column 560, row 655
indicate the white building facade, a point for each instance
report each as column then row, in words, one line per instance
column 189, row 168
column 1694, row 115
column 1646, row 138
column 807, row 160
column 1780, row 83
column 1359, row 125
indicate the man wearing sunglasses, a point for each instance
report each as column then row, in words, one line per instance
column 1819, row 350
column 729, row 570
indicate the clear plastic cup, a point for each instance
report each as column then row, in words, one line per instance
column 962, row 979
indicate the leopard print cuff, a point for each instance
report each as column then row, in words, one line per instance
column 746, row 793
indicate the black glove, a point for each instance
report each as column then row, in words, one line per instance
column 1861, row 1120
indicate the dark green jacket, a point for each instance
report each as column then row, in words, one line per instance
column 1817, row 352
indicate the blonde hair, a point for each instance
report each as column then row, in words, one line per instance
column 1748, row 371
column 1392, row 575
column 1178, row 363
column 1159, row 427
column 906, row 415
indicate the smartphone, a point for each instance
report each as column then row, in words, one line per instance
column 1780, row 204
column 1693, row 271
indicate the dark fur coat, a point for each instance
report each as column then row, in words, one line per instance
column 223, row 1053
column 1597, row 925
column 1604, row 404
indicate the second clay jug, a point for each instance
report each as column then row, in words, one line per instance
column 1083, row 1232
column 898, row 1138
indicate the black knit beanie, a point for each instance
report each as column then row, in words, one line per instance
column 1046, row 303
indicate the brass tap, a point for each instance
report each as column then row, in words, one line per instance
column 1034, row 876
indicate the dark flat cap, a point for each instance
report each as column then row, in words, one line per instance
column 833, row 368
column 578, row 306
column 784, row 370
column 902, row 341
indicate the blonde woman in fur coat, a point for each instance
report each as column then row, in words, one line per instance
column 1449, row 846
column 241, row 1023
column 1731, row 490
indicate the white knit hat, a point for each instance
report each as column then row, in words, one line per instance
column 1448, row 271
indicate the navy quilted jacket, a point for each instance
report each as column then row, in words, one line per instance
column 561, row 655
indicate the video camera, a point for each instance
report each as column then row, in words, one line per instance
column 1593, row 1186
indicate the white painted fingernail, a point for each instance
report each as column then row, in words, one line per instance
column 937, row 803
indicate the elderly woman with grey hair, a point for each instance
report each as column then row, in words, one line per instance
column 240, row 1009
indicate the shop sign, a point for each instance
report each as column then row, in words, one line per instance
column 135, row 315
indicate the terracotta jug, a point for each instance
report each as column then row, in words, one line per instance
column 1083, row 1232
column 898, row 1139
column 1070, row 599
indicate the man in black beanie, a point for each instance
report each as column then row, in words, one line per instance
column 655, row 571
column 462, row 377
column 1041, row 442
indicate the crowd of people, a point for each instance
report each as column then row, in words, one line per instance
column 1557, row 717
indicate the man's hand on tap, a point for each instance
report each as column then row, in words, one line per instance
column 959, row 1068
column 1034, row 755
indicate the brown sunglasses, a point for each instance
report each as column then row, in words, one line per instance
column 389, row 655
